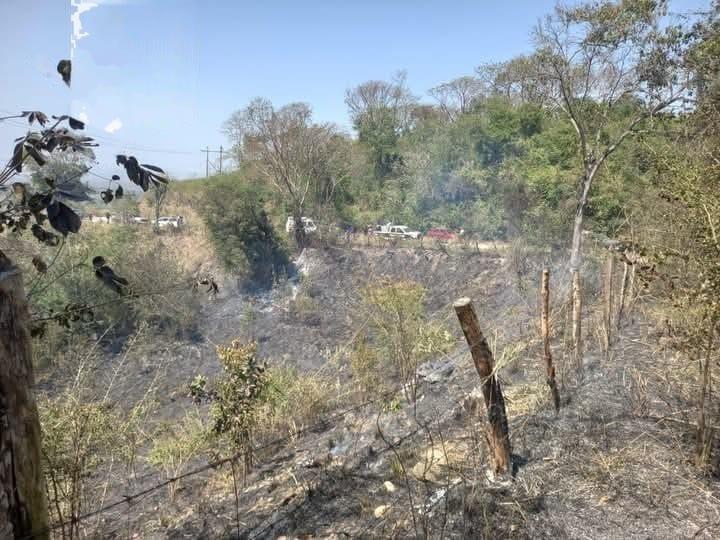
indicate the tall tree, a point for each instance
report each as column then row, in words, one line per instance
column 287, row 149
column 458, row 96
column 381, row 111
column 596, row 57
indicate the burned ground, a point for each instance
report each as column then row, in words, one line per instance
column 614, row 462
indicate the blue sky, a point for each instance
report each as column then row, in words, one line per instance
column 157, row 78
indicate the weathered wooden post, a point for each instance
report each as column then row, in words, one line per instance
column 608, row 303
column 497, row 431
column 23, row 511
column 577, row 322
column 545, row 331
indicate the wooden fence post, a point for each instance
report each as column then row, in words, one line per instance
column 545, row 330
column 577, row 322
column 497, row 432
column 23, row 511
column 608, row 304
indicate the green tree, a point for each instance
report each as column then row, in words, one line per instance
column 594, row 58
column 285, row 148
column 242, row 233
column 381, row 112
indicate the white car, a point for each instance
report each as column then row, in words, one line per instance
column 173, row 221
column 396, row 231
column 308, row 225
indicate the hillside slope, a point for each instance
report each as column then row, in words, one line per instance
column 612, row 464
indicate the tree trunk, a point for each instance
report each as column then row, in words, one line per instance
column 575, row 262
column 576, row 246
column 577, row 323
column 300, row 236
column 23, row 511
column 497, row 431
column 545, row 330
column 704, row 434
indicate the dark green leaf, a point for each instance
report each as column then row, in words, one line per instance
column 76, row 124
column 64, row 68
column 63, row 219
column 35, row 154
column 39, row 202
column 36, row 116
column 17, row 159
column 106, row 196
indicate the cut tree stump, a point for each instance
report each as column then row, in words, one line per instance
column 545, row 331
column 23, row 511
column 498, row 436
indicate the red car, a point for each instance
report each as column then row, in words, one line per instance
column 439, row 233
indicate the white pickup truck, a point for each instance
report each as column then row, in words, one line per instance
column 395, row 231
column 169, row 221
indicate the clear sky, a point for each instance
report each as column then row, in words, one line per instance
column 157, row 78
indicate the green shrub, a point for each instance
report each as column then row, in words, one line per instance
column 236, row 397
column 402, row 336
column 293, row 401
column 241, row 231
column 177, row 444
column 159, row 293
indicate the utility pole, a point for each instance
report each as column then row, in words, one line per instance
column 218, row 168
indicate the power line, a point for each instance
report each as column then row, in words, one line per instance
column 109, row 141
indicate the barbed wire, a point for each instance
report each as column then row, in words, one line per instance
column 128, row 499
column 139, row 495
column 421, row 426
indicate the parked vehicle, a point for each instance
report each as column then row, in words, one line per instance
column 139, row 220
column 394, row 231
column 439, row 233
column 107, row 218
column 169, row 221
column 308, row 225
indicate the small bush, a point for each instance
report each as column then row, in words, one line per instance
column 176, row 445
column 402, row 335
column 78, row 436
column 236, row 397
column 293, row 400
column 366, row 367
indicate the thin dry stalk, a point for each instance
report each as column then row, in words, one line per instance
column 577, row 323
column 608, row 302
column 545, row 331
column 623, row 294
